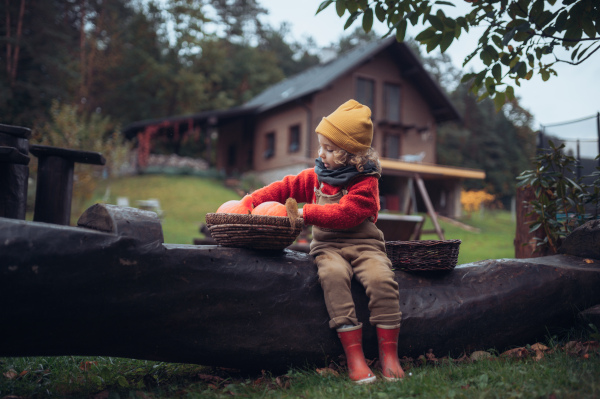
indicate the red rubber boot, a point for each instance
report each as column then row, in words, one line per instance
column 387, row 338
column 358, row 369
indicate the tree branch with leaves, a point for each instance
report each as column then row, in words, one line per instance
column 521, row 37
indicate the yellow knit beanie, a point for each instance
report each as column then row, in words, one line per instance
column 349, row 127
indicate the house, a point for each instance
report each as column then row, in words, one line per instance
column 273, row 134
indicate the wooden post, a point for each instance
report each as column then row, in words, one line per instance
column 429, row 206
column 14, row 171
column 55, row 181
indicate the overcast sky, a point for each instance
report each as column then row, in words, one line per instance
column 572, row 95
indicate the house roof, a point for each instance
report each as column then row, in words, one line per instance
column 319, row 77
column 210, row 117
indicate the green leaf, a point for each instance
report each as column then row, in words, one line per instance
column 367, row 21
column 413, row 17
column 544, row 19
column 380, row 12
column 583, row 52
column 340, row 7
column 508, row 36
column 401, row 30
column 457, row 31
column 351, row 19
column 575, row 51
column 497, row 41
column 122, row 381
column 510, row 93
column 436, row 23
column 352, row 6
column 466, row 77
column 434, row 42
column 572, row 36
column 425, row 35
column 497, row 72
column 490, row 85
column 499, row 100
column 483, row 96
column 323, row 5
column 534, row 227
column 479, row 79
column 445, row 3
column 488, row 55
column 537, row 7
column 588, row 25
column 446, row 41
column 561, row 20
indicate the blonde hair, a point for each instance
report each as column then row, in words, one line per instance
column 343, row 157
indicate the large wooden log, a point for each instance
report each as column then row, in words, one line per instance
column 122, row 292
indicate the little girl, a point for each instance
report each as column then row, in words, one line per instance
column 342, row 202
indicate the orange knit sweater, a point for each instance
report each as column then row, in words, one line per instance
column 361, row 202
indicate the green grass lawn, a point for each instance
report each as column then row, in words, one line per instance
column 493, row 241
column 557, row 375
column 184, row 200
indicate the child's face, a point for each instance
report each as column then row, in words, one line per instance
column 327, row 154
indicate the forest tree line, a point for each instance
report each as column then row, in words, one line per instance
column 121, row 61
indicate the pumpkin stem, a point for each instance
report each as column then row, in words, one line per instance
column 291, row 207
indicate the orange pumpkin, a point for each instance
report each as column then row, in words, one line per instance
column 243, row 206
column 270, row 208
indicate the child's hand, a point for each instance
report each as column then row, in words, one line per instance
column 300, row 212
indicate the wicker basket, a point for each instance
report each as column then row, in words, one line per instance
column 423, row 255
column 253, row 231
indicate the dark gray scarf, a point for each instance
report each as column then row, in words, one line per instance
column 341, row 176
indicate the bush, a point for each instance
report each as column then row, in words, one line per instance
column 563, row 202
column 69, row 128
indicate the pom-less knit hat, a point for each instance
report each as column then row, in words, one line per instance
column 349, row 127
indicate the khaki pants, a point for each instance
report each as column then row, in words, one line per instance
column 340, row 255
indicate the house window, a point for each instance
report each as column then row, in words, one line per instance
column 391, row 148
column 391, row 101
column 294, row 139
column 269, row 145
column 365, row 91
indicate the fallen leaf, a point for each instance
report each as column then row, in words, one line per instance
column 539, row 347
column 480, row 355
column 283, row 381
column 11, row 374
column 326, row 371
column 516, row 353
column 430, row 356
column 576, row 348
column 213, row 379
column 87, row 365
column 588, row 260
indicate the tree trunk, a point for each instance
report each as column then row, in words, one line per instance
column 525, row 242
column 111, row 287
